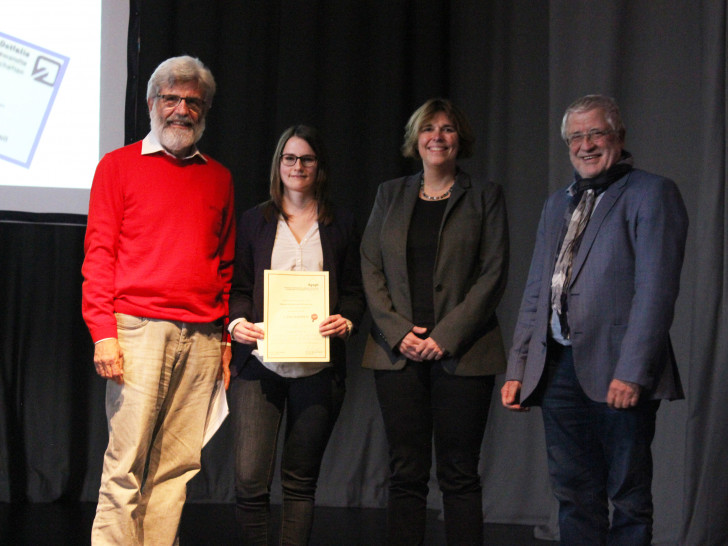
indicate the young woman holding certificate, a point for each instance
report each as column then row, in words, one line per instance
column 298, row 229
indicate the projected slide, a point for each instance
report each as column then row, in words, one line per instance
column 31, row 77
column 49, row 93
column 62, row 88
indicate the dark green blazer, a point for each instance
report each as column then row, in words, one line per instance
column 469, row 278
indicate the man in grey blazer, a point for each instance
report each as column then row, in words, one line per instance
column 591, row 344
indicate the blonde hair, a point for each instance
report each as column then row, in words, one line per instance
column 424, row 115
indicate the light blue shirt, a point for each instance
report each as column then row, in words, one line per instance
column 555, row 323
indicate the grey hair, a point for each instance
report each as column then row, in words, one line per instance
column 592, row 102
column 181, row 70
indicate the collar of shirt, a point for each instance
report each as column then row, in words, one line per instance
column 571, row 192
column 151, row 145
column 291, row 255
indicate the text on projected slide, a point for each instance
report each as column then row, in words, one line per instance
column 30, row 77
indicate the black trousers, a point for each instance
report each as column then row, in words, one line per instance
column 418, row 401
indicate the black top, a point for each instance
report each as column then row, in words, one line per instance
column 422, row 240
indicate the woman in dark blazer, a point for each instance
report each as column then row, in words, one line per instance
column 434, row 263
column 297, row 229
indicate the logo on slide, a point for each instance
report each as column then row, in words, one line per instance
column 46, row 70
column 26, row 106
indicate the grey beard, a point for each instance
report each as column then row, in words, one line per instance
column 174, row 139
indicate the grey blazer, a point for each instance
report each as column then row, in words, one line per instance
column 469, row 278
column 625, row 281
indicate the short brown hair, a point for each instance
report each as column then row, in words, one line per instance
column 424, row 114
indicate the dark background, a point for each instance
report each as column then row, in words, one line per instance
column 356, row 70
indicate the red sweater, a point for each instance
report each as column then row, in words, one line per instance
column 160, row 240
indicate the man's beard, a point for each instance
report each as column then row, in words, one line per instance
column 176, row 139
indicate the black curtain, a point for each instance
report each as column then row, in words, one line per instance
column 52, row 424
column 356, row 70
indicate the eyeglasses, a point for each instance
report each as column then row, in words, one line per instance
column 595, row 135
column 172, row 101
column 289, row 160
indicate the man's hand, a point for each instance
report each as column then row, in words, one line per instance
column 109, row 360
column 623, row 394
column 510, row 396
column 226, row 356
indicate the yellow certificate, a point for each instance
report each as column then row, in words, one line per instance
column 295, row 303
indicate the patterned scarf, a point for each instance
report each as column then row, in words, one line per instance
column 586, row 192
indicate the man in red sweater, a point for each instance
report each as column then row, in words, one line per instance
column 159, row 253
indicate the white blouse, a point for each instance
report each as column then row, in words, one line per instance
column 290, row 255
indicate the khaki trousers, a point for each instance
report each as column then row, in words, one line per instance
column 156, row 420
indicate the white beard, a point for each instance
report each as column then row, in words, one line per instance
column 176, row 139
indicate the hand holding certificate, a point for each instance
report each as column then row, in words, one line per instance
column 295, row 304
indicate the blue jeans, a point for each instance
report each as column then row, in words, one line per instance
column 596, row 453
column 258, row 398
column 415, row 401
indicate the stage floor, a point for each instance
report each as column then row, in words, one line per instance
column 61, row 524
